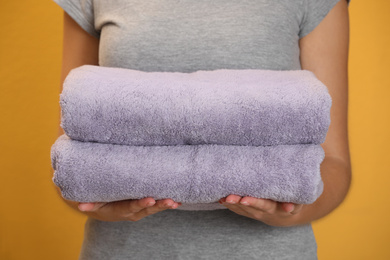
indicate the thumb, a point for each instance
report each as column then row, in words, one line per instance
column 288, row 207
column 291, row 208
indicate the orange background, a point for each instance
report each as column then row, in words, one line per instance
column 35, row 224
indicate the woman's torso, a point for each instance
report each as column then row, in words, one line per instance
column 185, row 36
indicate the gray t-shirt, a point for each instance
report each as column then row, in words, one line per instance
column 186, row 36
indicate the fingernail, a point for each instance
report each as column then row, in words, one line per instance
column 151, row 203
column 292, row 209
column 85, row 207
column 244, row 202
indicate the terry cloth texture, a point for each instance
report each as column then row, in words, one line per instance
column 185, row 36
column 266, row 112
column 95, row 172
column 227, row 107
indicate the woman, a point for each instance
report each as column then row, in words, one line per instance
column 187, row 36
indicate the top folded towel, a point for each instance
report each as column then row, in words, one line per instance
column 229, row 107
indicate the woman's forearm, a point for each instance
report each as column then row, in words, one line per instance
column 336, row 175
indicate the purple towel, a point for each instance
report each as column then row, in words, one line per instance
column 226, row 107
column 196, row 175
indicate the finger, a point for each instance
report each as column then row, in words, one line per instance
column 160, row 205
column 297, row 209
column 134, row 206
column 86, row 206
column 251, row 212
column 291, row 208
column 167, row 203
column 232, row 199
column 265, row 205
column 232, row 203
column 125, row 208
column 90, row 206
column 235, row 208
column 287, row 207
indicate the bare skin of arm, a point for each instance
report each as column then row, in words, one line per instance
column 80, row 48
column 324, row 51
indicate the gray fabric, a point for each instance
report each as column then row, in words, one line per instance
column 187, row 36
column 188, row 235
column 226, row 107
column 96, row 172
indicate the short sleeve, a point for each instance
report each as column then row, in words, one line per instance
column 82, row 12
column 314, row 12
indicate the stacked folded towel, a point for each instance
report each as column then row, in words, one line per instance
column 192, row 137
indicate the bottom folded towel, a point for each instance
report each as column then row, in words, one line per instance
column 192, row 174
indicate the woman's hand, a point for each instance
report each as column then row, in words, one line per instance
column 268, row 211
column 126, row 210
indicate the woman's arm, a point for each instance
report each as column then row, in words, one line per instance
column 324, row 51
column 80, row 48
